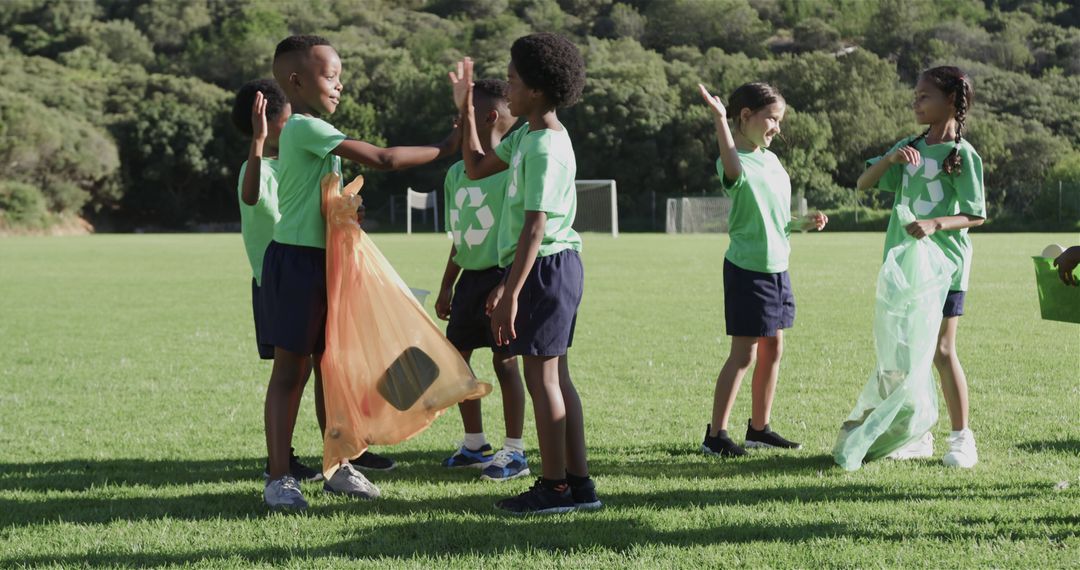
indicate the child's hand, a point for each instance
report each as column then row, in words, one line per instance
column 816, row 221
column 905, row 155
column 493, row 298
column 717, row 106
column 462, row 83
column 442, row 304
column 922, row 228
column 1066, row 263
column 502, row 320
column 258, row 117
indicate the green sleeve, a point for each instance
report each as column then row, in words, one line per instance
column 240, row 183
column 970, row 195
column 506, row 148
column 549, row 184
column 730, row 187
column 316, row 136
column 894, row 176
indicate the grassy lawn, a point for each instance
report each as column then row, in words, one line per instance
column 131, row 422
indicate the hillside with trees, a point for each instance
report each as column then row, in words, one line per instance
column 116, row 111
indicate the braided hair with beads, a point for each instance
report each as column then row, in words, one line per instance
column 952, row 81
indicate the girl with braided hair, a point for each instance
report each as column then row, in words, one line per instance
column 938, row 175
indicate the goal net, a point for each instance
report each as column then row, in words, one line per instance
column 701, row 214
column 597, row 208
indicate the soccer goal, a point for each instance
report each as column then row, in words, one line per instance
column 422, row 201
column 597, row 207
column 698, row 214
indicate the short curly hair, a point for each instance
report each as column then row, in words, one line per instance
column 496, row 89
column 245, row 98
column 551, row 64
column 299, row 44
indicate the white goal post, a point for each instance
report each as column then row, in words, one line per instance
column 597, row 207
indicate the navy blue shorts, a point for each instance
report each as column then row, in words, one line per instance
column 266, row 351
column 757, row 304
column 548, row 304
column 954, row 304
column 470, row 327
column 294, row 298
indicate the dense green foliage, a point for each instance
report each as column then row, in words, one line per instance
column 117, row 108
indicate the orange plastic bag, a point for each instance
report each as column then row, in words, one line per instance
column 388, row 371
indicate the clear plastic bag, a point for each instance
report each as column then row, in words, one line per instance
column 899, row 403
column 388, row 371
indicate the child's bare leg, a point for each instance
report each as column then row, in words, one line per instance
column 769, row 351
column 320, row 403
column 282, row 395
column 471, row 415
column 576, row 462
column 741, row 357
column 542, row 380
column 953, row 379
column 294, row 410
column 513, row 393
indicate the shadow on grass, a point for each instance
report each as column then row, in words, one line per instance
column 442, row 537
column 1066, row 446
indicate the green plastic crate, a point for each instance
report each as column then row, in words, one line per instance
column 1057, row 301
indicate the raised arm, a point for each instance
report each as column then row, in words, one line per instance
column 729, row 156
column 477, row 163
column 904, row 155
column 249, row 191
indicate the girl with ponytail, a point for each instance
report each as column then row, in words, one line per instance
column 938, row 175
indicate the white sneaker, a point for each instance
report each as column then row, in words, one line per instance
column 962, row 452
column 918, row 449
column 284, row 493
column 348, row 481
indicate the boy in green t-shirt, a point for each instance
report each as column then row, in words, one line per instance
column 473, row 215
column 758, row 300
column 259, row 112
column 534, row 310
column 939, row 176
column 308, row 69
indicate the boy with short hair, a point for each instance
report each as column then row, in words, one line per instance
column 294, row 269
column 533, row 312
column 473, row 210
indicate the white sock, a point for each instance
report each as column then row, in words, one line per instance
column 514, row 444
column 474, row 441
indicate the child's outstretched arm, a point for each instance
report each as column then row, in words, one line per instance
column 478, row 165
column 904, row 155
column 397, row 157
column 729, row 156
column 249, row 192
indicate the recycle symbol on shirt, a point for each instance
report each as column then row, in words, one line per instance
column 472, row 236
column 930, row 170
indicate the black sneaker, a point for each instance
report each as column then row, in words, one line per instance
column 585, row 498
column 298, row 470
column 721, row 445
column 372, row 461
column 539, row 500
column 767, row 438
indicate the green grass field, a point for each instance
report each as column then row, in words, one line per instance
column 131, row 422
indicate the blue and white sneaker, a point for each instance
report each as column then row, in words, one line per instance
column 506, row 465
column 465, row 457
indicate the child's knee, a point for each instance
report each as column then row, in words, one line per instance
column 944, row 353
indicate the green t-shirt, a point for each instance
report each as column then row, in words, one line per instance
column 304, row 158
column 931, row 193
column 760, row 218
column 473, row 208
column 257, row 222
column 542, row 168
